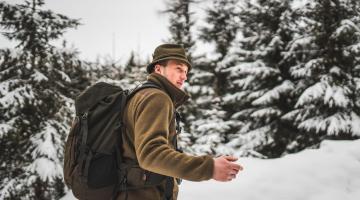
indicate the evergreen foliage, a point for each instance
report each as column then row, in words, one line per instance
column 208, row 83
column 37, row 82
column 281, row 76
column 258, row 85
column 324, row 57
column 181, row 21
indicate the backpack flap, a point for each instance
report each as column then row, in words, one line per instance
column 94, row 94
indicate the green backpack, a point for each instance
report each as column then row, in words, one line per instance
column 93, row 166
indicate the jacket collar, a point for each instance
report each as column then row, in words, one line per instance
column 177, row 95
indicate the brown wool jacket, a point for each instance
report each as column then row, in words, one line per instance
column 150, row 130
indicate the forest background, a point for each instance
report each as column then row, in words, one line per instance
column 277, row 77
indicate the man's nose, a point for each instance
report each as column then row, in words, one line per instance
column 184, row 77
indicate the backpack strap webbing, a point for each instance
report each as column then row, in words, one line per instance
column 121, row 182
column 169, row 186
column 147, row 84
column 84, row 156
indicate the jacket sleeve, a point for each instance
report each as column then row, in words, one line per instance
column 152, row 119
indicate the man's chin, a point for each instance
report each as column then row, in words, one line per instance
column 180, row 86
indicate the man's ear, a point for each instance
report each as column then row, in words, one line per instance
column 157, row 68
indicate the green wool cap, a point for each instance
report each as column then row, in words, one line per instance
column 168, row 52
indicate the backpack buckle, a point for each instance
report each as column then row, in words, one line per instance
column 84, row 116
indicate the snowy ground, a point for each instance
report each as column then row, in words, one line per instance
column 329, row 173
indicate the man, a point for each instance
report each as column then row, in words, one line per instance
column 151, row 130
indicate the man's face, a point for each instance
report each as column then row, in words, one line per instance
column 175, row 71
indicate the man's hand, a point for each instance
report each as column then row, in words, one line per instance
column 225, row 169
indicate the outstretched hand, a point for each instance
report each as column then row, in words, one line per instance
column 225, row 169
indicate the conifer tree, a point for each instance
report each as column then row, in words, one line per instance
column 324, row 57
column 181, row 22
column 135, row 71
column 209, row 124
column 35, row 101
column 258, row 83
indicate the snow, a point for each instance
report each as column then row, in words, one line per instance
column 46, row 164
column 249, row 140
column 346, row 26
column 355, row 124
column 311, row 94
column 43, row 142
column 38, row 76
column 285, row 87
column 333, row 96
column 299, row 4
column 266, row 112
column 45, row 168
column 334, row 124
column 64, row 76
column 245, row 82
column 16, row 97
column 4, row 128
column 310, row 66
column 337, row 96
column 8, row 185
column 232, row 98
column 329, row 173
column 257, row 68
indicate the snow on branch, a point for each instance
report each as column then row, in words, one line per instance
column 5, row 128
column 337, row 96
column 311, row 94
column 345, row 27
column 17, row 97
column 333, row 125
column 355, row 124
column 301, row 70
column 257, row 69
column 45, row 154
column 38, row 76
column 266, row 112
column 275, row 93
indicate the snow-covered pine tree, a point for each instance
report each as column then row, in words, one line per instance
column 128, row 76
column 180, row 23
column 35, row 109
column 135, row 72
column 221, row 25
column 81, row 73
column 325, row 61
column 258, row 84
column 207, row 83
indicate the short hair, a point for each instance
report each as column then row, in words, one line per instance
column 162, row 63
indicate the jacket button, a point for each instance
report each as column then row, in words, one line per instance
column 144, row 177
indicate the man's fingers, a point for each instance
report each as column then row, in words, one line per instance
column 235, row 172
column 231, row 176
column 236, row 166
column 231, row 158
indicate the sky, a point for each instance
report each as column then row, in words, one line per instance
column 329, row 173
column 111, row 28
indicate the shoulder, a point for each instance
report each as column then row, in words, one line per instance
column 151, row 97
column 151, row 102
column 152, row 94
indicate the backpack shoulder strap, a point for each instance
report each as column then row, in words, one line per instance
column 147, row 84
